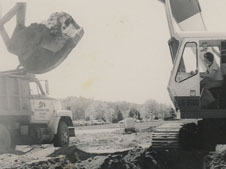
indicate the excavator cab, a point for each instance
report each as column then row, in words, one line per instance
column 189, row 44
column 207, row 126
column 189, row 41
column 184, row 85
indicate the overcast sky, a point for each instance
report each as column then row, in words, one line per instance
column 124, row 52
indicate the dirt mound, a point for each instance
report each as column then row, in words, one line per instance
column 137, row 158
column 216, row 160
column 73, row 154
column 41, row 47
column 58, row 24
column 54, row 163
column 162, row 159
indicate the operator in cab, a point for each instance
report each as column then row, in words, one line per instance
column 210, row 79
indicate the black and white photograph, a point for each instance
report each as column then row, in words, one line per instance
column 112, row 84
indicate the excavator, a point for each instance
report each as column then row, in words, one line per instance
column 28, row 115
column 189, row 41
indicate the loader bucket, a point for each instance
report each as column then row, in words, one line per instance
column 42, row 47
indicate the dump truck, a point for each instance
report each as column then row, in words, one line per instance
column 28, row 115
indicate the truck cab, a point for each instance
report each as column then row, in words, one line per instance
column 29, row 114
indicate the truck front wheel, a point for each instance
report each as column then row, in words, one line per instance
column 61, row 139
column 5, row 139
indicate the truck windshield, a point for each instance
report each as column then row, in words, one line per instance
column 188, row 63
column 35, row 89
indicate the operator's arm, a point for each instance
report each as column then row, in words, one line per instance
column 210, row 73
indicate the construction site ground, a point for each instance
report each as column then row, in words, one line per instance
column 108, row 147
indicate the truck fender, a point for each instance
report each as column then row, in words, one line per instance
column 64, row 115
column 53, row 124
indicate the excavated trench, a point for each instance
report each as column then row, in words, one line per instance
column 137, row 158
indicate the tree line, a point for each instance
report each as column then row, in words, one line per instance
column 90, row 109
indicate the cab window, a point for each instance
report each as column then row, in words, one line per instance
column 173, row 46
column 188, row 63
column 34, row 88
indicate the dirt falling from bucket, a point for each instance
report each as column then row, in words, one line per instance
column 41, row 47
column 61, row 24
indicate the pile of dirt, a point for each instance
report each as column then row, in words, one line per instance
column 73, row 154
column 216, row 160
column 59, row 24
column 137, row 158
column 58, row 27
column 161, row 159
column 42, row 46
column 53, row 163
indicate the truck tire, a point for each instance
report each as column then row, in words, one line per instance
column 61, row 139
column 5, row 139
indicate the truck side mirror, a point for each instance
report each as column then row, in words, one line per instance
column 47, row 87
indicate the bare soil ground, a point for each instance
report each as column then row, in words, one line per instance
column 107, row 147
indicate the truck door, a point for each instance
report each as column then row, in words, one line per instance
column 184, row 84
column 41, row 105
